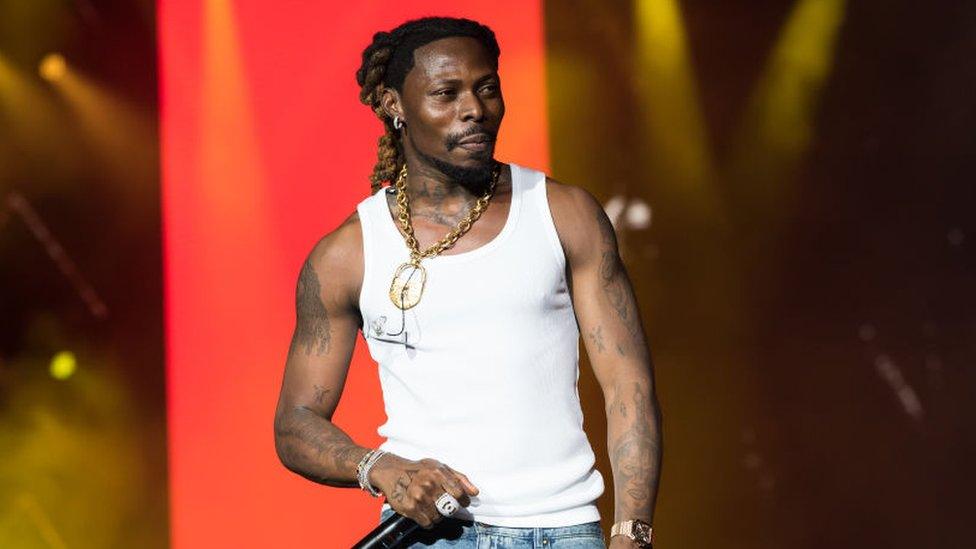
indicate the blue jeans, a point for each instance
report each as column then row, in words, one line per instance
column 465, row 534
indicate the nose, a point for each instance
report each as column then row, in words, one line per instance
column 471, row 108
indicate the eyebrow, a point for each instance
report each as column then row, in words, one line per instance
column 443, row 81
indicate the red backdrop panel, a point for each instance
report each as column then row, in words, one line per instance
column 265, row 149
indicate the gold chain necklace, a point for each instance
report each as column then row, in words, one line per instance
column 405, row 291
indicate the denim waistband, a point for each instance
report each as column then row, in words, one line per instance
column 574, row 530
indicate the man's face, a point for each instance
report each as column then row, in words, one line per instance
column 453, row 107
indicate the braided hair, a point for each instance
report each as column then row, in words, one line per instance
column 386, row 62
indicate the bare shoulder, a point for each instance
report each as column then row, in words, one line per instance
column 579, row 217
column 336, row 263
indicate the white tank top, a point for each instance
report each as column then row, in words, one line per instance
column 486, row 382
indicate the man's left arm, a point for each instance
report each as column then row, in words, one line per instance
column 613, row 335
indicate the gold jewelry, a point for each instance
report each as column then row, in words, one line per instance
column 635, row 529
column 405, row 292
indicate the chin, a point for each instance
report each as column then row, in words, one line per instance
column 480, row 161
column 469, row 169
column 473, row 159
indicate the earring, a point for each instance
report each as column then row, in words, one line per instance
column 397, row 123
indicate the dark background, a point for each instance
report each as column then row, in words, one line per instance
column 83, row 459
column 791, row 310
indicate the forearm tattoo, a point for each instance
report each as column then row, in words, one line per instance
column 315, row 448
column 634, row 443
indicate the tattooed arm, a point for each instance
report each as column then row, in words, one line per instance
column 327, row 319
column 610, row 324
column 306, row 440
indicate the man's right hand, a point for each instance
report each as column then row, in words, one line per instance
column 412, row 487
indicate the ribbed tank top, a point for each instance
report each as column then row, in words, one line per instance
column 487, row 380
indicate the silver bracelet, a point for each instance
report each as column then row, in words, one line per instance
column 367, row 467
column 363, row 461
column 363, row 469
column 359, row 468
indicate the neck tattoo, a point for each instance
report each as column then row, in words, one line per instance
column 409, row 278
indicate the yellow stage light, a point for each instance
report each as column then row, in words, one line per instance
column 666, row 83
column 63, row 365
column 121, row 132
column 778, row 125
column 53, row 67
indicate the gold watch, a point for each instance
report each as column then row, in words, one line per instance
column 635, row 529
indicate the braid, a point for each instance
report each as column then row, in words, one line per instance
column 370, row 77
column 386, row 62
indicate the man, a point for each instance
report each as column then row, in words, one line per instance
column 471, row 281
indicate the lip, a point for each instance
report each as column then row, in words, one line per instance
column 476, row 145
column 476, row 139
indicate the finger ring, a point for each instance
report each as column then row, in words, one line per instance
column 447, row 505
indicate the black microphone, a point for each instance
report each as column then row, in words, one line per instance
column 388, row 534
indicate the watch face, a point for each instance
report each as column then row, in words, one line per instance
column 642, row 531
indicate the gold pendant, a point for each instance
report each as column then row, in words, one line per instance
column 407, row 286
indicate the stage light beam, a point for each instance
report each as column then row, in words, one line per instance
column 27, row 109
column 778, row 124
column 120, row 132
column 666, row 83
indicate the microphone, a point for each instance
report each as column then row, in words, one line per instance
column 388, row 534
column 392, row 531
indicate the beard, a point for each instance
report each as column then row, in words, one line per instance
column 471, row 177
column 475, row 177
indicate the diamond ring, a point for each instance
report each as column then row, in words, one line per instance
column 447, row 505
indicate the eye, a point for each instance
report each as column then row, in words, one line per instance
column 445, row 91
column 489, row 88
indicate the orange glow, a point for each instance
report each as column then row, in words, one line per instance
column 53, row 67
column 265, row 148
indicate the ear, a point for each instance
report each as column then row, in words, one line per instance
column 390, row 102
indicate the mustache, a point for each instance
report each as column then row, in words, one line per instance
column 454, row 139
